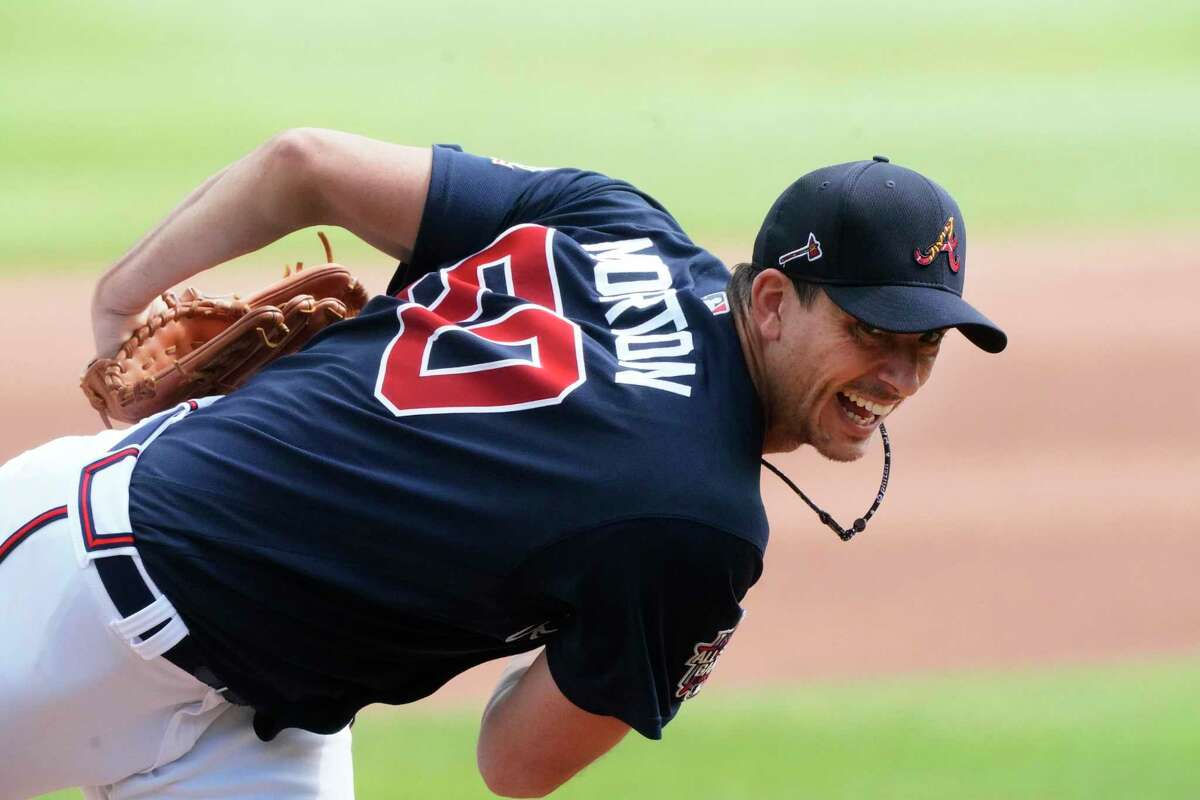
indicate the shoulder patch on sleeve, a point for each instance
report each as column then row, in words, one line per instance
column 701, row 664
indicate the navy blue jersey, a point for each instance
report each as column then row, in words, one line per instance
column 545, row 434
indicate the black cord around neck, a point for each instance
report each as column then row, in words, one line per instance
column 860, row 524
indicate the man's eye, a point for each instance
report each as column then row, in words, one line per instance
column 869, row 331
column 933, row 337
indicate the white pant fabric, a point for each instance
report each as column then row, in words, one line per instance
column 83, row 701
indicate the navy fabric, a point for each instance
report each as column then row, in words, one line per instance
column 413, row 494
column 909, row 309
column 643, row 596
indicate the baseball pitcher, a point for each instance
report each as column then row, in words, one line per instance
column 542, row 442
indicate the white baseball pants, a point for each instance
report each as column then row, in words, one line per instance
column 84, row 700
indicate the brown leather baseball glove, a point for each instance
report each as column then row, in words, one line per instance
column 202, row 345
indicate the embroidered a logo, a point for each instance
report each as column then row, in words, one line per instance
column 700, row 665
column 532, row 632
column 513, row 165
column 810, row 251
column 717, row 303
column 946, row 243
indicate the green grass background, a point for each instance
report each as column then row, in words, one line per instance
column 1070, row 734
column 1060, row 118
column 1059, row 115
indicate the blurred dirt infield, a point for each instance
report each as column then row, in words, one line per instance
column 1043, row 506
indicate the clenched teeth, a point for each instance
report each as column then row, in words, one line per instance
column 862, row 402
column 857, row 418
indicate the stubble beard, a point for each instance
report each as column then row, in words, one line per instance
column 838, row 455
column 831, row 446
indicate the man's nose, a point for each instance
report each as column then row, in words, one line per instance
column 902, row 371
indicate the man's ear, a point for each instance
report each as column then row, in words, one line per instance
column 767, row 294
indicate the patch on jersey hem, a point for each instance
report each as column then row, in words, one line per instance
column 701, row 664
column 717, row 303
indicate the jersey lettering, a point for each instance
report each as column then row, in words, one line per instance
column 445, row 361
column 648, row 321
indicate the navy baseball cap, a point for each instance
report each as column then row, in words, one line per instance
column 887, row 244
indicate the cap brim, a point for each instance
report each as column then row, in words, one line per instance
column 915, row 309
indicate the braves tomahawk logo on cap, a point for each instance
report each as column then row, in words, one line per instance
column 946, row 242
column 810, row 251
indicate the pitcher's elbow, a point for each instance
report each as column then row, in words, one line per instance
column 291, row 164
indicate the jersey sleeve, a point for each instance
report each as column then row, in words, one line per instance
column 473, row 199
column 651, row 605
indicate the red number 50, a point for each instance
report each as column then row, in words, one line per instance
column 548, row 366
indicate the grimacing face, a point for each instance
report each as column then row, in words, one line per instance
column 827, row 379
